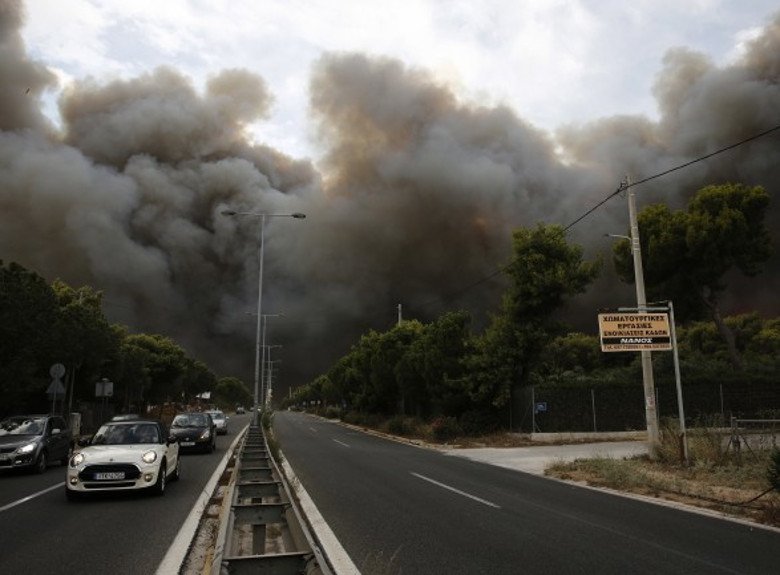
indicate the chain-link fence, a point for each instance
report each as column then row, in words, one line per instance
column 621, row 407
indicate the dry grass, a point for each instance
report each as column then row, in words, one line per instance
column 715, row 478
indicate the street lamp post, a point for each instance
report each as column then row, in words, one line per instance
column 268, row 388
column 262, row 216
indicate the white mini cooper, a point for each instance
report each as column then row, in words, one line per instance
column 124, row 455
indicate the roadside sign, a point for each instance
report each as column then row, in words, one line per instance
column 634, row 332
column 104, row 388
column 55, row 387
column 57, row 370
column 541, row 406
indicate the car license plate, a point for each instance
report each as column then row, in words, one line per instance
column 187, row 443
column 109, row 476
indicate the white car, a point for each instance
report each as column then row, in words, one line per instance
column 124, row 455
column 220, row 421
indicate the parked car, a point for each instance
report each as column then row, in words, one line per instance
column 240, row 410
column 124, row 455
column 32, row 441
column 220, row 421
column 195, row 431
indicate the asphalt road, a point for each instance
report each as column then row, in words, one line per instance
column 399, row 509
column 118, row 534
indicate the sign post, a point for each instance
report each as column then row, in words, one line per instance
column 55, row 388
column 645, row 329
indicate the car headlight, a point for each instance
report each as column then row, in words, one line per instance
column 206, row 434
column 29, row 448
column 149, row 457
column 77, row 459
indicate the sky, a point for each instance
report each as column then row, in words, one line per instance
column 415, row 136
column 553, row 61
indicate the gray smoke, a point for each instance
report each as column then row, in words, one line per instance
column 415, row 198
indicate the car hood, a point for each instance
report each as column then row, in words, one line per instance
column 118, row 453
column 18, row 440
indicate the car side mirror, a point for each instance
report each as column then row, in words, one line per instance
column 84, row 441
column 172, row 439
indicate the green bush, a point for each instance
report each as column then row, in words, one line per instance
column 445, row 428
column 404, row 426
column 476, row 423
column 333, row 412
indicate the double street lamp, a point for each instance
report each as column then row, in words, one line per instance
column 262, row 216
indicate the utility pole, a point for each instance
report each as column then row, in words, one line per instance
column 651, row 413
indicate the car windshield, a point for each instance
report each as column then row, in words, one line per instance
column 122, row 434
column 23, row 426
column 191, row 420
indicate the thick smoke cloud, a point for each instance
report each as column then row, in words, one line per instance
column 415, row 198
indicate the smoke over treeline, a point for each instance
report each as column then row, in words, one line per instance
column 415, row 198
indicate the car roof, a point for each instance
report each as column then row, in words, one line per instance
column 132, row 421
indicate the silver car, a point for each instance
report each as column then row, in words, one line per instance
column 220, row 420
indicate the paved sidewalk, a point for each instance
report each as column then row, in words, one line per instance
column 535, row 459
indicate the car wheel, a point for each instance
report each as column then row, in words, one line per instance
column 41, row 463
column 159, row 487
column 177, row 471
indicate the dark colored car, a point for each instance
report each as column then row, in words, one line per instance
column 126, row 417
column 32, row 441
column 195, row 431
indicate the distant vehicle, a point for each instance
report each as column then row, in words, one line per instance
column 126, row 417
column 195, row 431
column 240, row 410
column 124, row 455
column 220, row 421
column 32, row 441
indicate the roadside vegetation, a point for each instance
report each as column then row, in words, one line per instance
column 42, row 324
column 719, row 478
column 455, row 382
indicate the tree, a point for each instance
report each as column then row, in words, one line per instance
column 545, row 271
column 686, row 255
column 28, row 313
column 233, row 391
column 84, row 339
column 163, row 362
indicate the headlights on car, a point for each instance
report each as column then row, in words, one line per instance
column 29, row 448
column 149, row 457
column 206, row 434
column 77, row 459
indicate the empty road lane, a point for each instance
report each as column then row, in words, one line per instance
column 397, row 508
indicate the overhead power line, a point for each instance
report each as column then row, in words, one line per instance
column 620, row 189
column 669, row 171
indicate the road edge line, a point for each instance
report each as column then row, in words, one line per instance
column 336, row 554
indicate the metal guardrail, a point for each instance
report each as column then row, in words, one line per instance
column 264, row 531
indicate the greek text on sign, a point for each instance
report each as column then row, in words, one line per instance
column 634, row 332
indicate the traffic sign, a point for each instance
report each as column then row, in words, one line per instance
column 55, row 387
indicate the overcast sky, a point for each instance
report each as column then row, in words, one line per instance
column 553, row 61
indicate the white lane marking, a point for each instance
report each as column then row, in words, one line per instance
column 458, row 491
column 29, row 497
column 314, row 430
column 341, row 443
column 177, row 552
